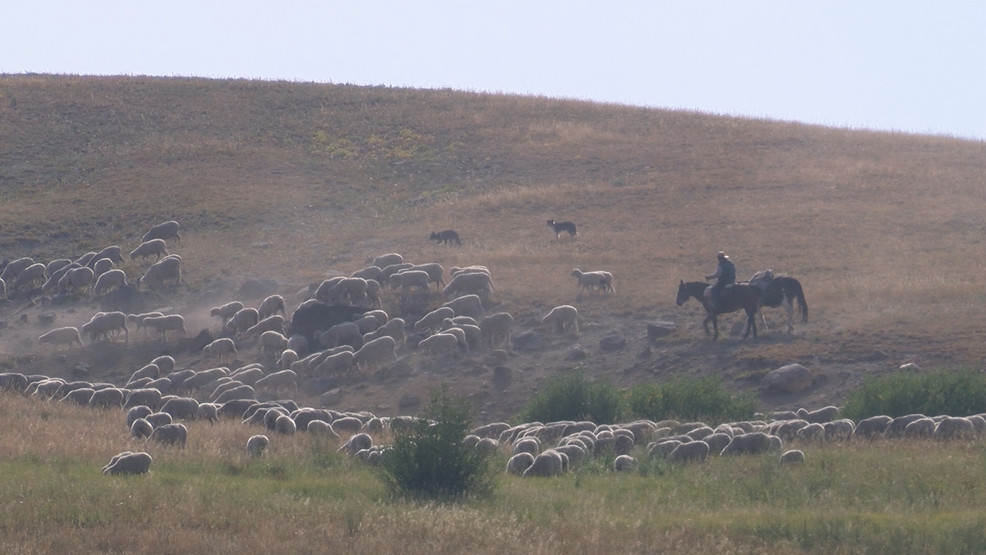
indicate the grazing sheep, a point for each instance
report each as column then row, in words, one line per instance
column 389, row 270
column 385, row 260
column 15, row 267
column 346, row 333
column 223, row 348
column 624, row 463
column 496, row 329
column 466, row 305
column 446, row 237
column 138, row 319
column 79, row 396
column 287, row 358
column 794, row 456
column 101, row 266
column 315, row 315
column 256, row 445
column 548, row 463
column 898, row 424
column 166, row 363
column 114, row 253
column 519, row 463
column 752, row 443
column 140, row 428
column 105, row 326
column 157, row 419
column 109, row 280
column 954, row 427
column 479, row 283
column 31, row 276
column 144, row 396
column 594, row 280
column 270, row 306
column 356, row 442
column 128, row 462
column 921, row 427
column 392, row 328
column 170, row 434
column 439, row 344
column 564, row 317
column 368, row 273
column 563, row 227
column 323, row 293
column 168, row 269
column 74, row 279
column 59, row 336
column 332, row 363
column 243, row 320
column 227, row 310
column 839, row 430
column 203, row 378
column 278, row 381
column 407, row 279
column 690, row 451
column 110, row 397
column 298, row 344
column 236, row 390
column 372, row 321
column 871, row 427
column 163, row 324
column 273, row 342
column 346, row 291
column 157, row 247
column 181, row 408
column 285, row 425
column 376, row 353
column 432, row 321
column 435, row 271
column 135, row 412
column 165, row 230
column 373, row 294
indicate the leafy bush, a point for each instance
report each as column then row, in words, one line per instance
column 703, row 399
column 955, row 392
column 431, row 460
column 574, row 397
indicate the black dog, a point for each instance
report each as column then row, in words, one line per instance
column 559, row 227
column 445, row 237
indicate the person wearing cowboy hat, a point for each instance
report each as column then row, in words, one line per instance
column 724, row 275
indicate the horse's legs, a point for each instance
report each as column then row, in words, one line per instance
column 763, row 319
column 751, row 324
column 705, row 323
column 715, row 327
column 789, row 308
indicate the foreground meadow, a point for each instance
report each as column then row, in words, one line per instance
column 304, row 497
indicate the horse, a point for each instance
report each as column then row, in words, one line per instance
column 783, row 291
column 738, row 296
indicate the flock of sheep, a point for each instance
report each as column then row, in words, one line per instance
column 341, row 330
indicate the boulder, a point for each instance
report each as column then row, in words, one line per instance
column 790, row 378
column 612, row 343
column 659, row 329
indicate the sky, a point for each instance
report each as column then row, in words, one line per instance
column 904, row 66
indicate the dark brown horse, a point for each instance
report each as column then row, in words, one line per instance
column 738, row 296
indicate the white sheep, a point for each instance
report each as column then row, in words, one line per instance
column 270, row 323
column 435, row 271
column 105, row 325
column 432, row 321
column 368, row 273
column 226, row 311
column 479, row 283
column 406, row 279
column 67, row 335
column 223, row 348
column 171, row 434
column 287, row 358
column 564, row 317
column 372, row 320
column 336, row 362
column 15, row 267
column 166, row 363
column 114, row 253
column 299, row 344
column 75, row 278
column 31, row 276
column 385, row 260
column 467, row 305
column 324, row 290
column 128, row 462
column 373, row 293
column 270, row 306
column 496, row 328
column 439, row 344
column 168, row 269
column 548, row 463
column 278, row 381
column 256, row 445
column 347, row 290
column 392, row 328
column 166, row 323
column 591, row 281
column 376, row 353
column 273, row 341
column 460, row 334
column 138, row 319
column 156, row 247
column 101, row 266
column 346, row 333
column 165, row 230
column 387, row 271
column 285, row 425
column 109, row 280
column 242, row 320
column 51, row 285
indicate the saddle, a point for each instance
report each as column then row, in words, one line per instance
column 762, row 279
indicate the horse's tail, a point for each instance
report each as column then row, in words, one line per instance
column 799, row 294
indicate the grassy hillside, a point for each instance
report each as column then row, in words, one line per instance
column 296, row 181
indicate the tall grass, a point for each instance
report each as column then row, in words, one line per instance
column 959, row 392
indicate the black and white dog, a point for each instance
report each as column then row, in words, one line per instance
column 560, row 227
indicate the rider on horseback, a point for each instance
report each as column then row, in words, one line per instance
column 724, row 275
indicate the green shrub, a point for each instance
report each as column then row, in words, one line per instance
column 953, row 392
column 431, row 460
column 574, row 397
column 704, row 399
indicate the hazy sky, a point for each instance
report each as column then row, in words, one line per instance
column 916, row 67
